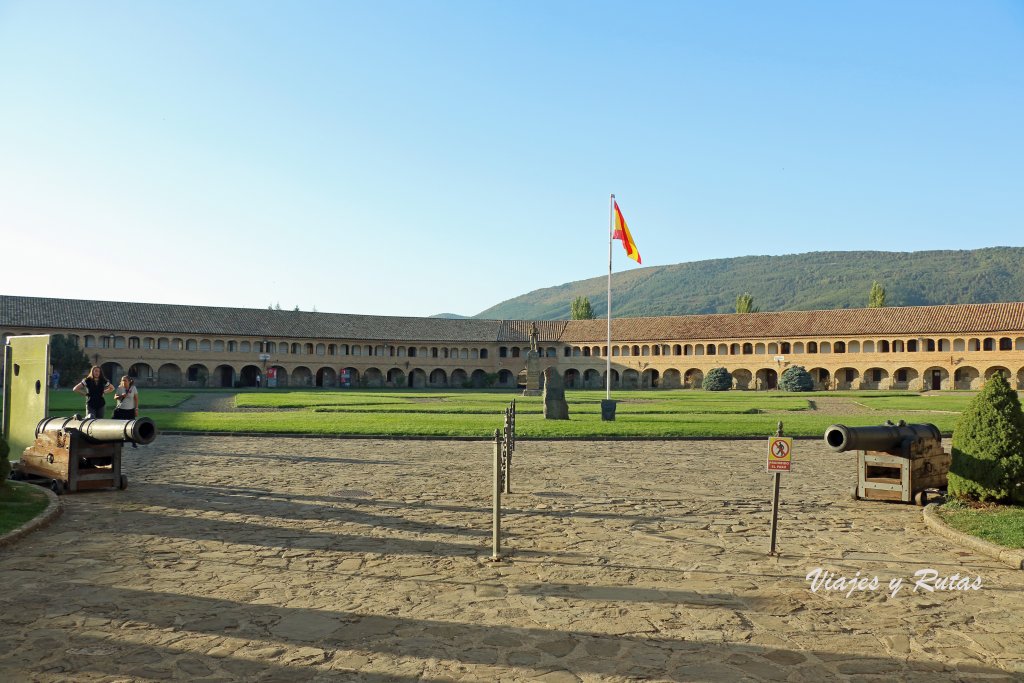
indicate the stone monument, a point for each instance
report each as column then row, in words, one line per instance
column 555, row 407
column 532, row 365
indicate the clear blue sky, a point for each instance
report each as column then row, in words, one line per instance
column 412, row 158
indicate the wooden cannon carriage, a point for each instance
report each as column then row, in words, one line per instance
column 71, row 454
column 897, row 462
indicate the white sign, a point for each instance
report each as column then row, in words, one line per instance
column 780, row 454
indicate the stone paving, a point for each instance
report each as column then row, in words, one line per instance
column 246, row 559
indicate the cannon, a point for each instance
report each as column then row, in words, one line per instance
column 71, row 454
column 895, row 461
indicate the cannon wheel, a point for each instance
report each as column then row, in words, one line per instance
column 57, row 486
column 921, row 498
column 123, row 484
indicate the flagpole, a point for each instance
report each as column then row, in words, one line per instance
column 608, row 351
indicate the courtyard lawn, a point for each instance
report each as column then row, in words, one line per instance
column 1003, row 525
column 68, row 402
column 18, row 504
column 469, row 414
column 951, row 402
column 482, row 402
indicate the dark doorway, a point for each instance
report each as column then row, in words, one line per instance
column 936, row 379
column 771, row 379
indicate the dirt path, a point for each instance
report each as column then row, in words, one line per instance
column 209, row 402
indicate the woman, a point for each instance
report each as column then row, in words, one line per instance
column 93, row 387
column 127, row 400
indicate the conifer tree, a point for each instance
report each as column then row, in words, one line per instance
column 580, row 309
column 988, row 446
column 796, row 378
column 877, row 297
column 745, row 303
column 717, row 379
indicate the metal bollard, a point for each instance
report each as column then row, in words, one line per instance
column 496, row 521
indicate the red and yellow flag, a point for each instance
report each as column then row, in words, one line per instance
column 621, row 232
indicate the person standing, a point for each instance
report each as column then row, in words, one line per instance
column 127, row 401
column 93, row 387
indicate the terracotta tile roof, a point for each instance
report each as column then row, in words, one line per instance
column 519, row 330
column 888, row 321
column 74, row 314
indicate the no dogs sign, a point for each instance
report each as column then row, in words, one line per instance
column 780, row 454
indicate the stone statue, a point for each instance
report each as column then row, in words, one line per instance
column 533, row 337
column 555, row 406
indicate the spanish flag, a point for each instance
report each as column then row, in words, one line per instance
column 621, row 232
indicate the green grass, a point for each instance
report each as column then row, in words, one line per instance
column 68, row 402
column 528, row 425
column 475, row 402
column 477, row 413
column 1000, row 524
column 942, row 402
column 18, row 504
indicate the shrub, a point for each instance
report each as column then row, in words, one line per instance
column 988, row 446
column 718, row 379
column 795, row 378
column 5, row 464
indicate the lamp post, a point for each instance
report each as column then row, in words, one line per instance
column 263, row 357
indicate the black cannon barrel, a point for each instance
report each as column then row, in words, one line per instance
column 881, row 438
column 140, row 430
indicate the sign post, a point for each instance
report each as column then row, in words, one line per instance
column 780, row 459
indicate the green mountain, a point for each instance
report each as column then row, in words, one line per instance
column 795, row 282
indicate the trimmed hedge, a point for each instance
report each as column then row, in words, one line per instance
column 717, row 379
column 988, row 446
column 796, row 378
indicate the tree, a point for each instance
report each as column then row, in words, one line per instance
column 717, row 379
column 745, row 303
column 580, row 309
column 877, row 297
column 988, row 446
column 796, row 378
column 68, row 359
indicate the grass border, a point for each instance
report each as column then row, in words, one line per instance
column 54, row 509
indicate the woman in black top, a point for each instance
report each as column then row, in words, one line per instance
column 93, row 387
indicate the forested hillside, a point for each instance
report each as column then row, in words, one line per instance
column 813, row 281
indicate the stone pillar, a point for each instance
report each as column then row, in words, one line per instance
column 532, row 374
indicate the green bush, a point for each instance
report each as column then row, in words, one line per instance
column 718, row 379
column 5, row 464
column 795, row 378
column 988, row 446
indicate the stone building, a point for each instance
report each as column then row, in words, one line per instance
column 920, row 347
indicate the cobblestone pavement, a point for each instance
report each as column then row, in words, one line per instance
column 243, row 559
